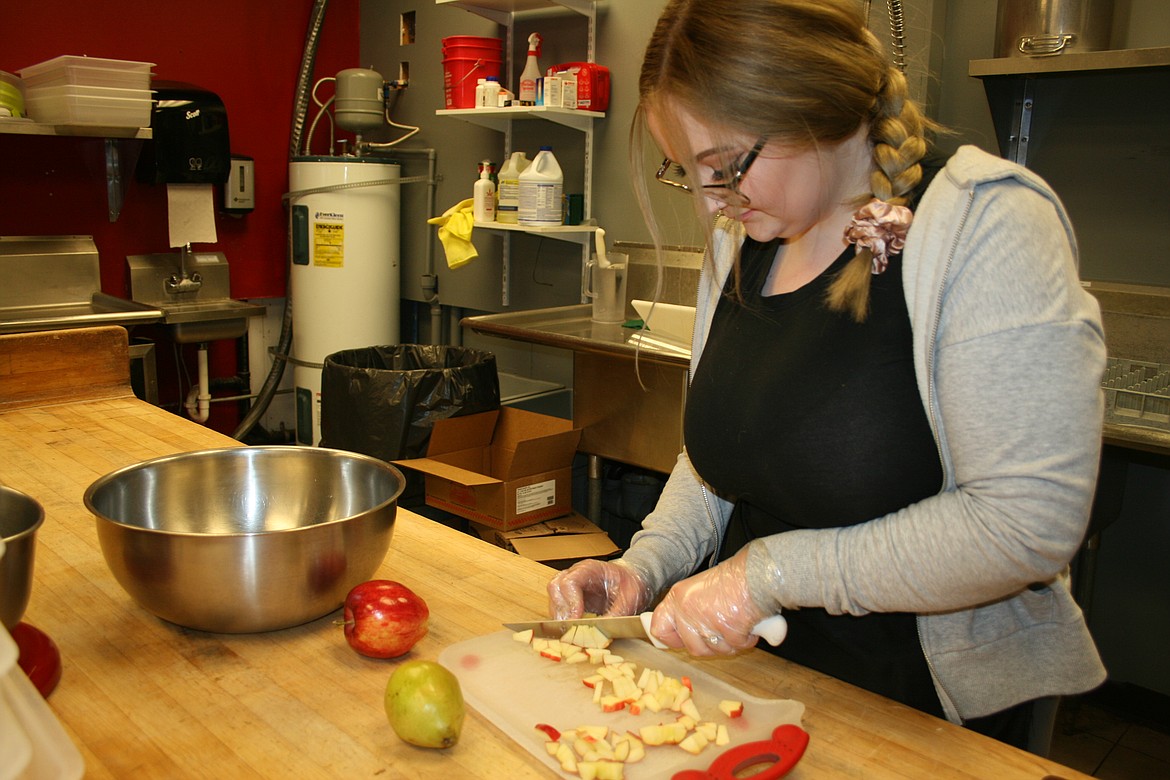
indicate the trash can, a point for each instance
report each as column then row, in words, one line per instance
column 382, row 401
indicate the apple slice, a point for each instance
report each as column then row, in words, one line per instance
column 601, row 770
column 708, row 729
column 576, row 657
column 592, row 680
column 688, row 708
column 524, row 637
column 637, row 750
column 596, row 654
column 565, row 756
column 694, row 743
column 612, row 703
column 663, row 734
column 569, row 636
column 552, row 748
column 547, row 732
column 721, row 736
column 596, row 733
column 732, row 709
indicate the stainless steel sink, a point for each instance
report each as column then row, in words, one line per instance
column 192, row 292
column 54, row 282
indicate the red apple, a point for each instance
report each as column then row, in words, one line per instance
column 384, row 619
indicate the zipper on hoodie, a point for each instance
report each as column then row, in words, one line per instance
column 930, row 405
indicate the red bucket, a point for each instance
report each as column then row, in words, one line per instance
column 461, row 74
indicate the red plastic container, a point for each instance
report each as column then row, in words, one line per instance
column 592, row 83
column 466, row 60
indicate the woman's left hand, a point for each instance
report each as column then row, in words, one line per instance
column 711, row 613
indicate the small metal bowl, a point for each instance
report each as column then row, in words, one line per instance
column 246, row 539
column 20, row 517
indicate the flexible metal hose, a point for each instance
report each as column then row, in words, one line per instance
column 897, row 31
column 300, row 111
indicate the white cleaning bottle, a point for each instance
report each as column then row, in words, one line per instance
column 508, row 208
column 528, row 77
column 483, row 203
column 541, row 187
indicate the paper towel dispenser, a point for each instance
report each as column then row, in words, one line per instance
column 190, row 129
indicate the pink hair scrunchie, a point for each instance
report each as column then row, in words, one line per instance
column 880, row 227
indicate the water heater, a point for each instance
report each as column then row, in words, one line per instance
column 345, row 274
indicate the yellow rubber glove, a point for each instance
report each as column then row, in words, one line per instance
column 455, row 233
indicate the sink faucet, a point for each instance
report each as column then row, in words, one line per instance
column 183, row 282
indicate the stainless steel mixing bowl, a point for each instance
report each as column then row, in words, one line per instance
column 246, row 539
column 20, row 517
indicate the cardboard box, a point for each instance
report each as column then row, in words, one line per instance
column 505, row 469
column 558, row 543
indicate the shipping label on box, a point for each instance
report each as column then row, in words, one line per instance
column 505, row 469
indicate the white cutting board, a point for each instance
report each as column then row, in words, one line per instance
column 515, row 688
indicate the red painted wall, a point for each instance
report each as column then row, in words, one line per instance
column 246, row 51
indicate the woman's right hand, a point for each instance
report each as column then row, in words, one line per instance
column 599, row 587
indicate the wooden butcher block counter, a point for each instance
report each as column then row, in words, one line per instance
column 144, row 698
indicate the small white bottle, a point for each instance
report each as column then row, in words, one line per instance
column 491, row 92
column 483, row 204
column 480, row 95
column 508, row 209
column 541, row 188
column 528, row 77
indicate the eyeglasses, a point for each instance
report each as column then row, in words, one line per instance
column 727, row 193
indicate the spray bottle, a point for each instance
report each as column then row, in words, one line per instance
column 531, row 73
column 483, row 203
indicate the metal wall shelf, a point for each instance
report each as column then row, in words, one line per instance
column 1072, row 62
column 22, row 127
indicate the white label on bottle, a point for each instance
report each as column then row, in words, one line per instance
column 539, row 496
column 540, row 203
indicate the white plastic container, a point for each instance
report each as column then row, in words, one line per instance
column 87, row 71
column 33, row 743
column 483, row 203
column 491, row 93
column 82, row 105
column 508, row 206
column 541, row 187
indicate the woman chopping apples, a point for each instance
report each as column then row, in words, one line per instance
column 893, row 424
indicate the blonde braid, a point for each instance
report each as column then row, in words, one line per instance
column 898, row 131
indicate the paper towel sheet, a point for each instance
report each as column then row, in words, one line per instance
column 191, row 214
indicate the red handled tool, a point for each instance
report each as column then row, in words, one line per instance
column 781, row 752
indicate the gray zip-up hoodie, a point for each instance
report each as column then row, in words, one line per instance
column 1009, row 351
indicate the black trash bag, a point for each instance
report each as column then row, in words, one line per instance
column 383, row 401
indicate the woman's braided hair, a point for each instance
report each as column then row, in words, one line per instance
column 803, row 72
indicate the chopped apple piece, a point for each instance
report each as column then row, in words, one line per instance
column 612, row 659
column 551, row 654
column 708, row 729
column 687, row 721
column 694, row 743
column 686, row 681
column 591, row 636
column 650, row 702
column 592, row 680
column 566, row 758
column 596, row 654
column 612, row 703
column 552, row 748
column 596, row 733
column 597, row 692
column 539, row 643
column 683, row 694
column 635, row 707
column 576, row 657
column 732, row 709
column 621, row 751
column 721, row 736
column 629, row 669
column 570, row 635
column 524, row 637
column 637, row 751
column 601, row 770
column 663, row 734
column 545, row 731
column 610, row 673
column 645, row 677
column 624, row 688
column 689, row 708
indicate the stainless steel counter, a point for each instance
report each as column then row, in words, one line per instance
column 627, row 399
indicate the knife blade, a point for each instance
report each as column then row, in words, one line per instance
column 772, row 629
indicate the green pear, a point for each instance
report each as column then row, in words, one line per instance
column 424, row 704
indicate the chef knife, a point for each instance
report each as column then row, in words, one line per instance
column 772, row 629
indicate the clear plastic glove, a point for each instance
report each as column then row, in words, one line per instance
column 711, row 613
column 600, row 587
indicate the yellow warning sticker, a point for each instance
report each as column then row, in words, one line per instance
column 329, row 244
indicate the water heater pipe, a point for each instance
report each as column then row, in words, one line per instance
column 199, row 398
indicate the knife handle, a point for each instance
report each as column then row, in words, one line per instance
column 771, row 629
